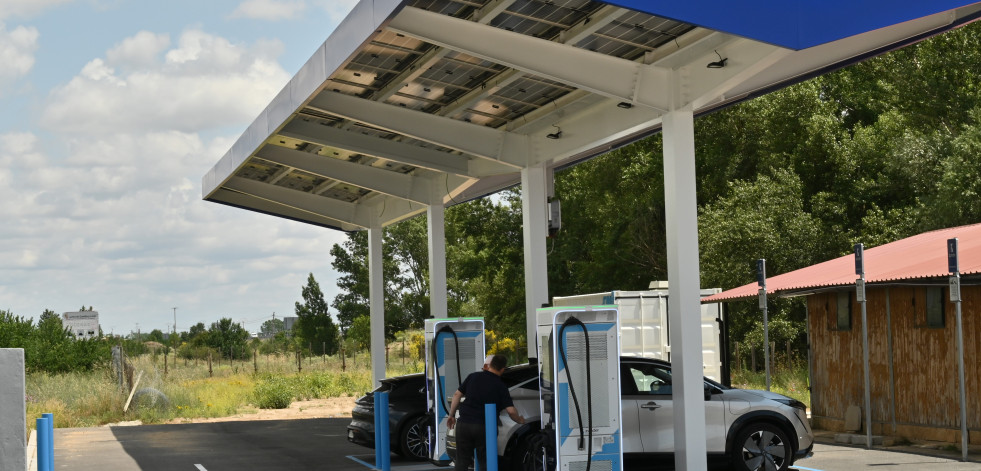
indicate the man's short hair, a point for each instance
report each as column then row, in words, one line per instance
column 499, row 362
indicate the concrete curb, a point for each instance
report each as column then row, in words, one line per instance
column 934, row 449
column 32, row 451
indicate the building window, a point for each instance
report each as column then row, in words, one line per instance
column 935, row 307
column 844, row 310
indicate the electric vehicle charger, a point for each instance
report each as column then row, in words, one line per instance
column 446, row 368
column 575, row 341
column 572, row 389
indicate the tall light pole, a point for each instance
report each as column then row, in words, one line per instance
column 174, row 341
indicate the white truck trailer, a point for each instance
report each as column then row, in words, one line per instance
column 644, row 324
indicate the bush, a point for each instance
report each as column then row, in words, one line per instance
column 273, row 392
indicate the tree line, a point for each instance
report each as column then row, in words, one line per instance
column 48, row 346
column 872, row 153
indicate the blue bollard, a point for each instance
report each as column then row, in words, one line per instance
column 378, row 428
column 43, row 441
column 386, row 446
column 51, row 448
column 490, row 433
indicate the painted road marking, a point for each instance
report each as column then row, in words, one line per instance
column 801, row 468
column 200, row 468
column 409, row 467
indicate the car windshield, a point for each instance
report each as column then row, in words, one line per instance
column 519, row 374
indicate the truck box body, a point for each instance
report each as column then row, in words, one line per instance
column 644, row 324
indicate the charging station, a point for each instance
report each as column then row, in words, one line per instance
column 579, row 358
column 454, row 349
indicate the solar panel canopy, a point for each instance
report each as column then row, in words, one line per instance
column 421, row 102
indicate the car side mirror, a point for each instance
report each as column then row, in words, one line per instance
column 709, row 390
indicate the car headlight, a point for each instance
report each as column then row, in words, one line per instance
column 793, row 403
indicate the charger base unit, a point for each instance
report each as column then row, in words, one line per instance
column 454, row 349
column 579, row 361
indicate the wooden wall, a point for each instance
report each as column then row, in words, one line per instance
column 924, row 360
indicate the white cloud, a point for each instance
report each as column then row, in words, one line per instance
column 336, row 9
column 204, row 83
column 17, row 48
column 271, row 10
column 118, row 223
column 104, row 207
column 26, row 8
column 141, row 50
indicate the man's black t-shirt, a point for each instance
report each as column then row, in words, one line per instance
column 482, row 387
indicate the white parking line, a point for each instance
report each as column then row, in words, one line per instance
column 200, row 468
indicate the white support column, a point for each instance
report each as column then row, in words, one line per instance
column 535, row 230
column 684, row 306
column 376, row 298
column 436, row 222
column 13, row 441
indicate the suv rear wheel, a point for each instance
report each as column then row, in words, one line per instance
column 531, row 453
column 761, row 446
column 414, row 439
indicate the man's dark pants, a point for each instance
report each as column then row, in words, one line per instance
column 470, row 437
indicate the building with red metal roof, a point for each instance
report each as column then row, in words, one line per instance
column 915, row 258
column 912, row 338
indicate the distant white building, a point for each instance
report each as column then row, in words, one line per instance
column 82, row 324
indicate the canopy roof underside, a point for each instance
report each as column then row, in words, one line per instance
column 425, row 102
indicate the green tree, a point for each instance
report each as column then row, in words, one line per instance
column 759, row 219
column 315, row 325
column 485, row 262
column 15, row 331
column 404, row 271
column 228, row 339
column 155, row 335
column 196, row 333
column 272, row 326
column 360, row 332
column 612, row 233
column 47, row 315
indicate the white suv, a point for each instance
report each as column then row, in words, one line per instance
column 746, row 429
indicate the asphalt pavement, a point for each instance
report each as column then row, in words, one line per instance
column 313, row 444
column 274, row 445
column 829, row 457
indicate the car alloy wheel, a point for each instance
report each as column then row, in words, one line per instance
column 763, row 447
column 415, row 439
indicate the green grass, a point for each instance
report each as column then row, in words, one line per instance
column 88, row 399
column 789, row 381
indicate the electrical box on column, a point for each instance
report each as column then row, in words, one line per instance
column 579, row 353
column 454, row 349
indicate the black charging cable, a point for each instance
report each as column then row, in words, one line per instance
column 459, row 375
column 572, row 389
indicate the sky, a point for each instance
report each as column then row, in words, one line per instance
column 111, row 112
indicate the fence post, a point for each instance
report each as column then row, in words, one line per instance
column 210, row 372
column 752, row 359
column 343, row 361
column 255, row 360
column 739, row 360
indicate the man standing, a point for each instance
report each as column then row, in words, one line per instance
column 482, row 387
